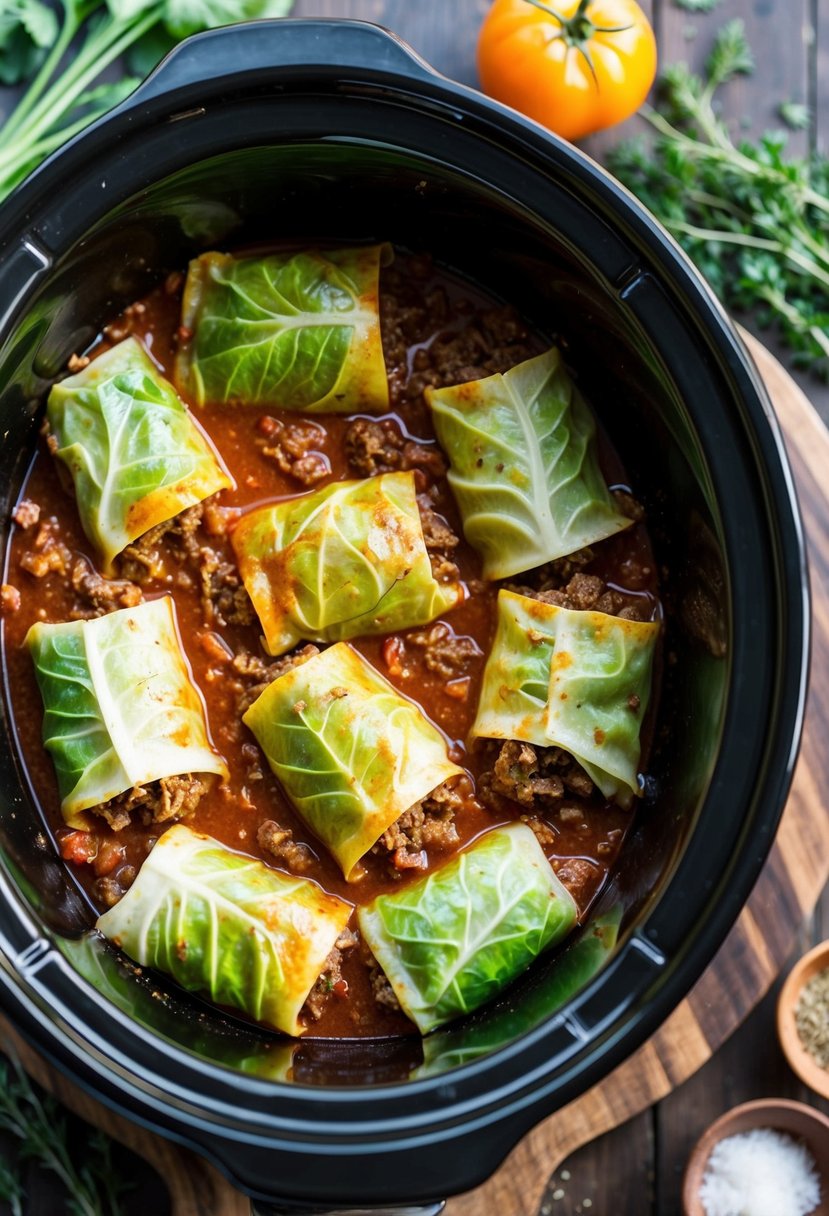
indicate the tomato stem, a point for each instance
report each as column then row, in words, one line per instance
column 577, row 30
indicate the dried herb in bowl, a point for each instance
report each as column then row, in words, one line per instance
column 812, row 1017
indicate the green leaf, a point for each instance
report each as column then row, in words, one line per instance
column 223, row 924
column 730, row 56
column 148, row 51
column 556, row 677
column 345, row 561
column 27, row 29
column 299, row 331
column 134, row 452
column 120, row 707
column 351, row 753
column 524, row 468
column 451, row 941
column 795, row 114
column 183, row 17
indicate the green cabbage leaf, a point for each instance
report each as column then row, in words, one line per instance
column 351, row 753
column 297, row 331
column 228, row 926
column 136, row 456
column 120, row 707
column 576, row 680
column 452, row 940
column 345, row 561
column 523, row 465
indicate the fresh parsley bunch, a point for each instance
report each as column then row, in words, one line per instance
column 65, row 94
column 755, row 222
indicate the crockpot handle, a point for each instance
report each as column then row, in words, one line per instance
column 238, row 52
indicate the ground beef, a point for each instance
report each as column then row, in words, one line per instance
column 224, row 598
column 48, row 554
column 430, row 823
column 544, row 833
column 580, row 877
column 143, row 561
column 112, row 887
column 26, row 514
column 261, row 671
column 294, row 447
column 440, row 541
column 589, row 593
column 9, row 599
column 96, row 596
column 629, row 505
column 381, row 989
column 374, row 447
column 330, row 982
column 159, row 801
column 494, row 340
column 279, row 842
column 445, row 653
column 534, row 777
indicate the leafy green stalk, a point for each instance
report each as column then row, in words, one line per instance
column 755, row 221
column 62, row 97
column 37, row 1122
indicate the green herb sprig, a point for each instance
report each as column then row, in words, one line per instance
column 38, row 1124
column 754, row 221
column 63, row 97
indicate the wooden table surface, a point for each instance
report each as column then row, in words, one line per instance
column 636, row 1170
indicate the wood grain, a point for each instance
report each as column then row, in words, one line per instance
column 741, row 973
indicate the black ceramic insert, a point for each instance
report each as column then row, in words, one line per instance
column 315, row 130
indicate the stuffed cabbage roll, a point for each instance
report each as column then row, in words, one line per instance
column 524, row 469
column 120, row 707
column 345, row 561
column 136, row 456
column 351, row 753
column 449, row 942
column 576, row 680
column 228, row 926
column 298, row 331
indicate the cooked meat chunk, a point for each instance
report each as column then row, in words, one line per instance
column 374, row 447
column 26, row 514
column 580, row 877
column 330, row 982
column 445, row 653
column 589, row 593
column 224, row 598
column 295, row 448
column 280, row 843
column 381, row 989
column 494, row 341
column 97, row 596
column 108, row 890
column 262, row 672
column 437, row 535
column 544, row 833
column 143, row 560
column 628, row 505
column 48, row 554
column 430, row 823
column 160, row 801
column 534, row 777
column 9, row 599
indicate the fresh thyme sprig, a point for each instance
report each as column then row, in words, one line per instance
column 755, row 221
column 37, row 1122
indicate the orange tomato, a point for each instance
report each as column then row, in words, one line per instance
column 575, row 66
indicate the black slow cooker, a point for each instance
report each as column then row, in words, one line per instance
column 334, row 131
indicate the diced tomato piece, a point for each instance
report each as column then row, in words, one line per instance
column 392, row 651
column 79, row 847
column 108, row 857
column 340, row 989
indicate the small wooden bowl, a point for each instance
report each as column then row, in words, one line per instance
column 806, row 1067
column 802, row 1122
